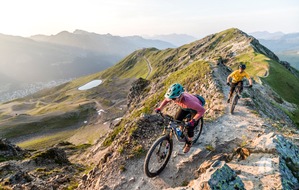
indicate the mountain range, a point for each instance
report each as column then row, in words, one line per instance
column 98, row 138
column 40, row 58
column 285, row 46
column 175, row 39
column 65, row 54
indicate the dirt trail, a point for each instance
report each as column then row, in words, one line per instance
column 227, row 131
column 149, row 67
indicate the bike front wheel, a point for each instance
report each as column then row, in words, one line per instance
column 234, row 103
column 158, row 156
column 197, row 130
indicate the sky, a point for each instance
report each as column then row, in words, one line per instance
column 147, row 17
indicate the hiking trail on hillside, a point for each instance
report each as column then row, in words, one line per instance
column 150, row 68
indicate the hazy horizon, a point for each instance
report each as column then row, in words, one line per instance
column 147, row 18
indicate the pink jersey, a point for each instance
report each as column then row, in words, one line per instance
column 189, row 101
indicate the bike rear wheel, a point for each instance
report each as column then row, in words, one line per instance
column 234, row 103
column 158, row 156
column 197, row 130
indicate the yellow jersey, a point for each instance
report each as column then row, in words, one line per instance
column 237, row 76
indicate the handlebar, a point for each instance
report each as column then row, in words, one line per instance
column 170, row 118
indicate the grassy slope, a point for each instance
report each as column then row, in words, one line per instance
column 195, row 71
column 186, row 76
column 133, row 66
column 46, row 141
column 58, row 110
column 257, row 64
column 285, row 84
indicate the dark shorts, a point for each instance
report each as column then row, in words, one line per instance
column 181, row 114
column 233, row 86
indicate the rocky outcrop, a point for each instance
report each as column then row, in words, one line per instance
column 49, row 169
column 220, row 176
column 11, row 151
column 288, row 66
column 289, row 162
column 263, row 50
column 50, row 156
column 265, row 101
column 274, row 163
column 136, row 90
column 286, row 154
column 37, row 180
column 20, row 177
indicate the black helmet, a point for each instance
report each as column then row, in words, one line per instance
column 242, row 66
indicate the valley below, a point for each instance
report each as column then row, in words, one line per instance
column 11, row 91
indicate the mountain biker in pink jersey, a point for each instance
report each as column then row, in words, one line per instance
column 189, row 104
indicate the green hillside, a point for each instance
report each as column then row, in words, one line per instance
column 286, row 85
column 60, row 110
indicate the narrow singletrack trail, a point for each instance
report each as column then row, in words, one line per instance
column 150, row 69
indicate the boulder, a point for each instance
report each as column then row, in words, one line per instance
column 51, row 156
column 288, row 154
column 10, row 151
column 20, row 177
column 220, row 176
column 289, row 162
column 136, row 90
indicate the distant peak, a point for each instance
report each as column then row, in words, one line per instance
column 234, row 30
column 77, row 31
column 267, row 35
column 63, row 33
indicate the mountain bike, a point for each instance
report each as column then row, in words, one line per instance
column 236, row 96
column 159, row 154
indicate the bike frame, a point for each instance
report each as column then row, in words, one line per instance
column 172, row 127
column 173, row 124
column 162, row 151
column 237, row 90
column 236, row 96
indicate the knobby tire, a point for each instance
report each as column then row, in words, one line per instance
column 197, row 130
column 152, row 151
column 234, row 103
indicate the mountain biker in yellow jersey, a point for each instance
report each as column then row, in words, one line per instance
column 189, row 104
column 237, row 77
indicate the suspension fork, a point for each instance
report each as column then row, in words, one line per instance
column 170, row 133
